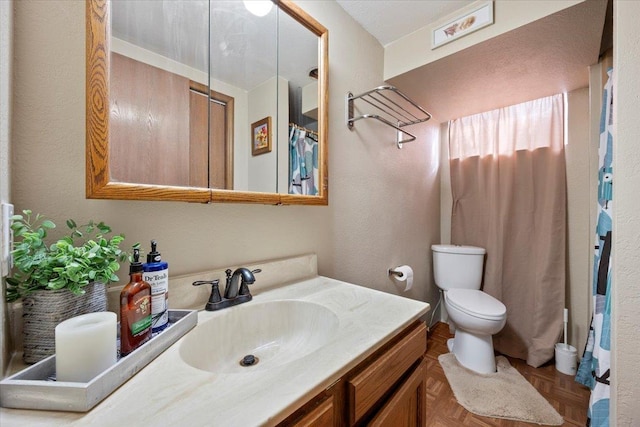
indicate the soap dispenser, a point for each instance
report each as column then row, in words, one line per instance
column 156, row 273
column 135, row 309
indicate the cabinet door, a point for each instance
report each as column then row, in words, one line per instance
column 367, row 388
column 320, row 416
column 324, row 410
column 408, row 405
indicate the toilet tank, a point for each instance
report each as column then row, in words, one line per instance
column 457, row 267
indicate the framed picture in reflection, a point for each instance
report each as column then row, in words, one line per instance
column 261, row 136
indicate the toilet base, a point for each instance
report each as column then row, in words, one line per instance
column 473, row 351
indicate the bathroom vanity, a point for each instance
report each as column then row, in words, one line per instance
column 388, row 388
column 330, row 353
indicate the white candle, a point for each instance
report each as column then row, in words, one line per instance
column 85, row 346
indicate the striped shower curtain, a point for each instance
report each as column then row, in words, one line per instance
column 594, row 369
column 303, row 161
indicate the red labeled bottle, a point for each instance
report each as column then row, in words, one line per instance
column 135, row 309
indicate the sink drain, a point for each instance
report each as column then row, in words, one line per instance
column 249, row 360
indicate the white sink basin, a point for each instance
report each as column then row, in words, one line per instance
column 275, row 333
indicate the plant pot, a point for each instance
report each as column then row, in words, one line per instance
column 43, row 310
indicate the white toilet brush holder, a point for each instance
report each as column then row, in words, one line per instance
column 566, row 359
column 566, row 355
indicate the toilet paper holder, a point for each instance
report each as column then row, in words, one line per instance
column 393, row 272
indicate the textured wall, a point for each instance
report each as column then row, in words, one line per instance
column 383, row 202
column 580, row 153
column 626, row 221
column 414, row 49
column 6, row 8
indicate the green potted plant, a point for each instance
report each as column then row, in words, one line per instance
column 61, row 279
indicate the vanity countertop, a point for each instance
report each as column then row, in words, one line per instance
column 170, row 392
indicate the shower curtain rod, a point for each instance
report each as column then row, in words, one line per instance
column 312, row 132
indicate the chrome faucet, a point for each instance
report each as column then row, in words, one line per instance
column 234, row 293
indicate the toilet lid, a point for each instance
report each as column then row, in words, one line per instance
column 459, row 249
column 476, row 303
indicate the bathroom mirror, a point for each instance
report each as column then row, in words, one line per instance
column 205, row 101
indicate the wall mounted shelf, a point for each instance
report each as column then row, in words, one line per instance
column 396, row 110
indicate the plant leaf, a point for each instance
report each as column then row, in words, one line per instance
column 48, row 224
column 62, row 264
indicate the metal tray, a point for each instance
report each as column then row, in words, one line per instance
column 35, row 388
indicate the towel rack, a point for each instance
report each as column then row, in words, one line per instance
column 398, row 109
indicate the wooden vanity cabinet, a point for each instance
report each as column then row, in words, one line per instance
column 326, row 409
column 386, row 389
column 408, row 405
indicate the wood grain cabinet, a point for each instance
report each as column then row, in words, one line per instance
column 407, row 406
column 386, row 389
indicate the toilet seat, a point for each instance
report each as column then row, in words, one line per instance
column 476, row 303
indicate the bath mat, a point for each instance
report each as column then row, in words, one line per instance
column 505, row 394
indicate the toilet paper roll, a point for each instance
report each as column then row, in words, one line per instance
column 407, row 276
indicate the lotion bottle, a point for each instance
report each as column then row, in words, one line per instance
column 156, row 273
column 135, row 309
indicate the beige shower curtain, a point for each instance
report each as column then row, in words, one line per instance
column 509, row 196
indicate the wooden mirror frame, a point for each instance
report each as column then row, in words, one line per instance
column 98, row 179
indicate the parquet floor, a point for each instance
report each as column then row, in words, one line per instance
column 569, row 398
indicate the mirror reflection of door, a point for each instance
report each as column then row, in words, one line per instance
column 141, row 137
column 160, row 129
column 210, row 153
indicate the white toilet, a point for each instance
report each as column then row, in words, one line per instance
column 475, row 315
